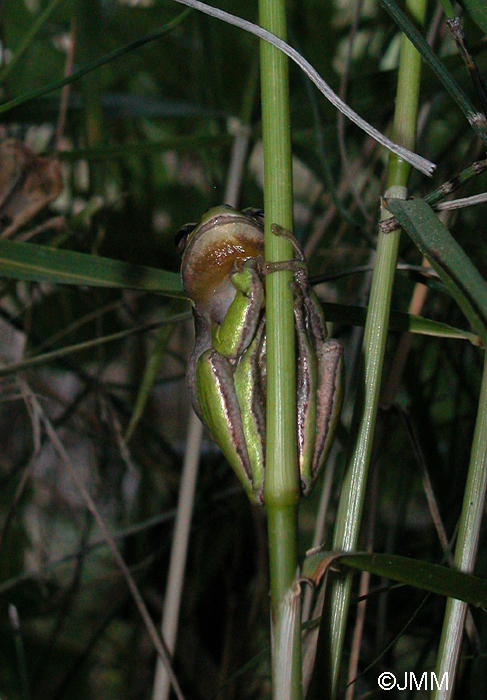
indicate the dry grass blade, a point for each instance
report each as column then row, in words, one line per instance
column 90, row 504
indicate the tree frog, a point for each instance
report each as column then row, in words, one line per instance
column 223, row 274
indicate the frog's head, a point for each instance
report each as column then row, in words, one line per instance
column 209, row 250
column 212, row 218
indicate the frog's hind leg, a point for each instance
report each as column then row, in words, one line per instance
column 251, row 396
column 329, row 359
column 220, row 411
column 329, row 399
column 319, row 385
column 306, row 392
column 202, row 331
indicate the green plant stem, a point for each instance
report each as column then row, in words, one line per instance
column 282, row 481
column 475, row 118
column 466, row 548
column 375, row 336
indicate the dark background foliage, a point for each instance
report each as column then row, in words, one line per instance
column 144, row 147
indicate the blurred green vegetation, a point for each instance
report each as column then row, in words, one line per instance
column 144, row 144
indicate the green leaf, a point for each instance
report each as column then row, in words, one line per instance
column 477, row 9
column 398, row 321
column 446, row 256
column 412, row 572
column 37, row 263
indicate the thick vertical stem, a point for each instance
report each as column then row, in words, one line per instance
column 282, row 481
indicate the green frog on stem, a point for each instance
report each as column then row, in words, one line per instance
column 223, row 273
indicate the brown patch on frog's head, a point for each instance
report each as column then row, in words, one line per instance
column 210, row 249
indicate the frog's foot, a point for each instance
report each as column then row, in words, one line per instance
column 254, row 266
column 284, row 233
column 297, row 267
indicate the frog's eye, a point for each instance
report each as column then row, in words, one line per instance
column 256, row 214
column 181, row 237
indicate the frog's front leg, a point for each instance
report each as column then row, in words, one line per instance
column 233, row 408
column 234, row 335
